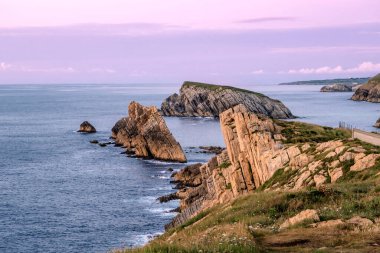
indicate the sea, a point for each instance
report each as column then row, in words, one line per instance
column 60, row 193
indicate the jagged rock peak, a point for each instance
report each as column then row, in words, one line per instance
column 369, row 92
column 145, row 134
column 208, row 100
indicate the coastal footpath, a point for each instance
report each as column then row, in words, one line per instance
column 278, row 186
column 369, row 92
column 208, row 100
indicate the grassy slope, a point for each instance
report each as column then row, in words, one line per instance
column 250, row 223
column 214, row 87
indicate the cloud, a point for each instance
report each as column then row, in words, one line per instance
column 365, row 67
column 48, row 70
column 257, row 72
column 4, row 66
column 360, row 49
column 124, row 29
column 265, row 20
column 102, row 70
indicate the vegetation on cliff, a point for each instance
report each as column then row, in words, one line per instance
column 279, row 187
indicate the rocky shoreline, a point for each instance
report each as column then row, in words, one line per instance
column 258, row 148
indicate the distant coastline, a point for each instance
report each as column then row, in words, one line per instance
column 345, row 81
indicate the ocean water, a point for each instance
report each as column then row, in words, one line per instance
column 59, row 193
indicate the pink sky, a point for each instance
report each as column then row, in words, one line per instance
column 172, row 40
column 191, row 13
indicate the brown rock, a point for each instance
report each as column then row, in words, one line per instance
column 335, row 174
column 377, row 124
column 361, row 223
column 86, row 127
column 145, row 133
column 365, row 162
column 309, row 214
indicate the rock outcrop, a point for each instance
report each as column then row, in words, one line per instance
column 257, row 155
column 86, row 127
column 377, row 124
column 145, row 134
column 369, row 92
column 206, row 100
column 336, row 88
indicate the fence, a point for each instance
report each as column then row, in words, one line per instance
column 368, row 137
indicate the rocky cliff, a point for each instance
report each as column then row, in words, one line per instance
column 206, row 100
column 369, row 92
column 145, row 134
column 266, row 154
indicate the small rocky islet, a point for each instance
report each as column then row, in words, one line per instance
column 208, row 100
column 86, row 127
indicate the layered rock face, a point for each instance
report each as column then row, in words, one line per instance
column 86, row 127
column 206, row 100
column 336, row 88
column 369, row 92
column 145, row 134
column 256, row 157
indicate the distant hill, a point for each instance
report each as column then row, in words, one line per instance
column 347, row 81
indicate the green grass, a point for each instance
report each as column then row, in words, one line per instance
column 215, row 87
column 299, row 132
column 225, row 165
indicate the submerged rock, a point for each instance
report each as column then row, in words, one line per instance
column 369, row 92
column 336, row 88
column 207, row 100
column 144, row 133
column 86, row 127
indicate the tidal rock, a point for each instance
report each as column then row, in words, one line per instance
column 207, row 100
column 336, row 87
column 94, row 141
column 144, row 132
column 369, row 92
column 86, row 127
column 377, row 124
column 212, row 149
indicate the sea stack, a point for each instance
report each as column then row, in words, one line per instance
column 86, row 127
column 144, row 133
column 369, row 92
column 209, row 100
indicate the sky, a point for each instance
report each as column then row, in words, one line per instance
column 169, row 41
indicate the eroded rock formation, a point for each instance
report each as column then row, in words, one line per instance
column 257, row 156
column 369, row 92
column 86, row 127
column 206, row 100
column 145, row 134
